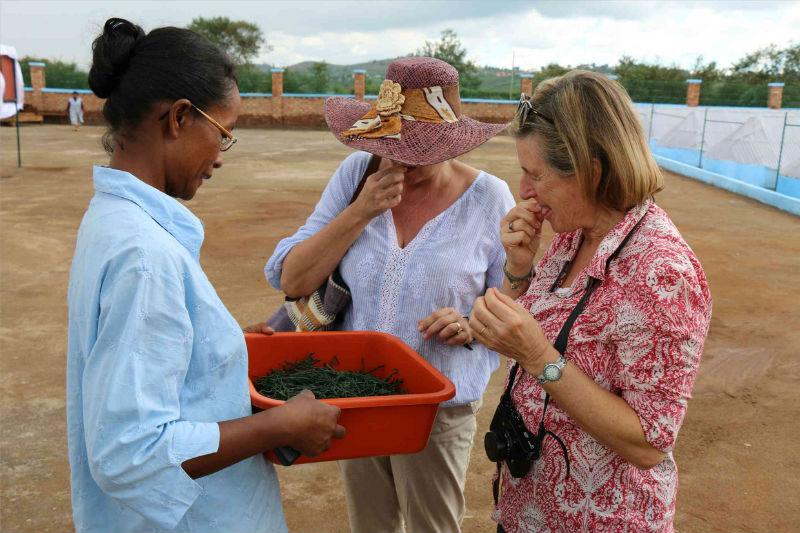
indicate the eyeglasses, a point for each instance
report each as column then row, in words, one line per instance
column 525, row 109
column 228, row 139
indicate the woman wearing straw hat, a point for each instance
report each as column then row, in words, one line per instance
column 416, row 247
column 604, row 335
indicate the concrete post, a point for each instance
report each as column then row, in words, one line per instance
column 277, row 94
column 693, row 92
column 526, row 84
column 359, row 83
column 38, row 83
column 775, row 95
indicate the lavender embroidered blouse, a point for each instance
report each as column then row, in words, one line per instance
column 454, row 258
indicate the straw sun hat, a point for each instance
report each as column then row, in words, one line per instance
column 416, row 119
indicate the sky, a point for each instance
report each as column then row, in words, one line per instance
column 529, row 33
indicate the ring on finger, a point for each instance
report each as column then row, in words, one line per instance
column 511, row 226
column 484, row 330
column 458, row 324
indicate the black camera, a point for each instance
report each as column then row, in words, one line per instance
column 509, row 440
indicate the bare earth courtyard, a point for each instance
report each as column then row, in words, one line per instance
column 737, row 452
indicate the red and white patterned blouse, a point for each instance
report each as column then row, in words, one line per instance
column 640, row 336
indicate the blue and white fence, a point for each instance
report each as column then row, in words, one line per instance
column 755, row 146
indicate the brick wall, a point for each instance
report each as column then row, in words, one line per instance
column 295, row 111
column 304, row 111
column 279, row 109
column 276, row 109
column 257, row 111
column 494, row 112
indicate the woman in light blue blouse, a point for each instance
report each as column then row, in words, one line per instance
column 416, row 248
column 160, row 430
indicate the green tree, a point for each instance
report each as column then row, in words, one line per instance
column 769, row 64
column 449, row 48
column 242, row 40
column 58, row 74
column 318, row 77
column 550, row 71
column 631, row 69
column 295, row 81
column 706, row 72
column 791, row 62
column 594, row 67
column 253, row 80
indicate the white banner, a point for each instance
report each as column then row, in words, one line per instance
column 9, row 109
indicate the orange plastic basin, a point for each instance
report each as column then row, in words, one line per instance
column 376, row 425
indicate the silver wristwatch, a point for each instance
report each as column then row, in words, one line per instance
column 552, row 371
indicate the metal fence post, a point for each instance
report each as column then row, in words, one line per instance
column 650, row 129
column 780, row 152
column 19, row 152
column 703, row 139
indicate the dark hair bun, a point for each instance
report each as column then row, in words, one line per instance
column 135, row 71
column 111, row 54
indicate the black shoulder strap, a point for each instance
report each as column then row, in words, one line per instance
column 372, row 167
column 563, row 335
column 561, row 346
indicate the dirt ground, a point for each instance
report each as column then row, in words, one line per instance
column 737, row 452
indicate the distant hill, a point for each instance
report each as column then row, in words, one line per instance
column 376, row 67
column 342, row 75
column 495, row 82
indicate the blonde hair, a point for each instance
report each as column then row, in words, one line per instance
column 593, row 118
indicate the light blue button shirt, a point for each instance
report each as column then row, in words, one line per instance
column 154, row 362
column 453, row 259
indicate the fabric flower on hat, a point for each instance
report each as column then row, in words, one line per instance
column 390, row 99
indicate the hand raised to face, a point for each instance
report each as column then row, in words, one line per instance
column 382, row 190
column 521, row 234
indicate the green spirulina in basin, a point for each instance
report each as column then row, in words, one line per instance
column 325, row 381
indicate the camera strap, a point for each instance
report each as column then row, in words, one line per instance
column 561, row 346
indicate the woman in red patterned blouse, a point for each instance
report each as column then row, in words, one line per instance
column 619, row 395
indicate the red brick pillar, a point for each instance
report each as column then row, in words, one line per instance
column 775, row 95
column 359, row 83
column 277, row 95
column 526, row 84
column 38, row 83
column 277, row 82
column 693, row 92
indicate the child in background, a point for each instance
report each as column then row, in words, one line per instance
column 75, row 110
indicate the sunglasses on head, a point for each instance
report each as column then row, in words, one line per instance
column 525, row 109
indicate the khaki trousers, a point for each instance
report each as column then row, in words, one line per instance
column 425, row 490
